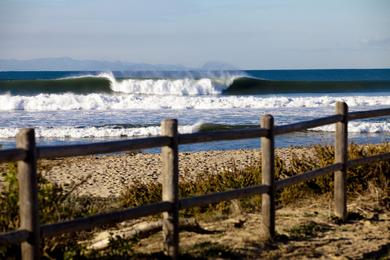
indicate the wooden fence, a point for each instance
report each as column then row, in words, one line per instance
column 27, row 153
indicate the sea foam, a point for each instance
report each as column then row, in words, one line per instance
column 69, row 101
column 95, row 132
column 359, row 127
column 178, row 87
column 102, row 132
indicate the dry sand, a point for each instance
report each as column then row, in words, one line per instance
column 108, row 176
column 364, row 237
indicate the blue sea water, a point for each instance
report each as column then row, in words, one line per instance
column 68, row 107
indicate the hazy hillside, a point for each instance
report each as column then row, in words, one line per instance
column 66, row 64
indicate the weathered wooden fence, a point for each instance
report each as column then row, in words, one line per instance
column 26, row 154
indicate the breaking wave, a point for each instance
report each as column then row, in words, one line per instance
column 70, row 101
column 221, row 84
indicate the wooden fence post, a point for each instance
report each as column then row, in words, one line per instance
column 28, row 194
column 268, row 170
column 341, row 156
column 170, row 188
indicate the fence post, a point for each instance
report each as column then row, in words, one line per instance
column 170, row 188
column 268, row 169
column 28, row 194
column 341, row 156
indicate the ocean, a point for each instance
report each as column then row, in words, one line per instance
column 68, row 107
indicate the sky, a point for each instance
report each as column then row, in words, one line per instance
column 249, row 34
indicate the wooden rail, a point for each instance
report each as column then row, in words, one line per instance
column 308, row 175
column 104, row 219
column 12, row 155
column 26, row 154
column 103, row 147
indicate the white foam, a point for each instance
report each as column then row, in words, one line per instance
column 179, row 87
column 359, row 127
column 102, row 132
column 95, row 132
column 69, row 101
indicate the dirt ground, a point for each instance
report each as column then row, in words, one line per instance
column 304, row 231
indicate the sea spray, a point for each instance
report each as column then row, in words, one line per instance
column 178, row 87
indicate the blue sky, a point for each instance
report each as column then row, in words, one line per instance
column 258, row 34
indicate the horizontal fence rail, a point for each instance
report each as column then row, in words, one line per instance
column 300, row 126
column 12, row 155
column 366, row 160
column 104, row 147
column 14, row 237
column 308, row 175
column 104, row 219
column 222, row 196
column 170, row 204
column 222, row 135
column 369, row 114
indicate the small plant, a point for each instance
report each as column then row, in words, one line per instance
column 358, row 180
column 55, row 205
column 141, row 193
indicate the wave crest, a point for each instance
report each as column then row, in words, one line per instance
column 178, row 87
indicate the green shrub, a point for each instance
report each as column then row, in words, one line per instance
column 358, row 179
column 55, row 205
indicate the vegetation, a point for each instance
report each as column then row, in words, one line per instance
column 358, row 180
column 56, row 204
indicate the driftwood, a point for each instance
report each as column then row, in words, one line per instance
column 144, row 229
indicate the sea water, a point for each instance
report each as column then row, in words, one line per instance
column 67, row 107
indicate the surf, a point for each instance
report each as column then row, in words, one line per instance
column 75, row 85
column 206, row 84
column 70, row 101
column 255, row 86
column 154, row 130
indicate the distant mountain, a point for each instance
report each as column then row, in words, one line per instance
column 65, row 64
column 217, row 65
column 68, row 64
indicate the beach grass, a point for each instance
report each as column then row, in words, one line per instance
column 358, row 179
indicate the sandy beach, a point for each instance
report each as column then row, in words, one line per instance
column 108, row 175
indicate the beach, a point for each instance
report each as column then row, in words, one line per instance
column 195, row 130
column 305, row 227
column 109, row 175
